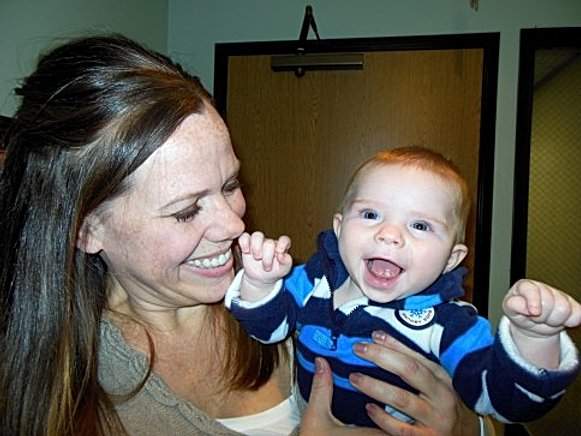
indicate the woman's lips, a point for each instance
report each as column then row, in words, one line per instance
column 212, row 261
column 212, row 266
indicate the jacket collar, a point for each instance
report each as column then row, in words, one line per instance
column 447, row 287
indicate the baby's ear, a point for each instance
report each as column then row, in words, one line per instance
column 90, row 235
column 457, row 255
column 337, row 221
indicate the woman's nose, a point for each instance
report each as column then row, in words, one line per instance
column 226, row 223
column 390, row 234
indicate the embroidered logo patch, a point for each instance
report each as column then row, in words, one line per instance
column 416, row 317
column 323, row 339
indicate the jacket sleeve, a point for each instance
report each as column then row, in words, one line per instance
column 273, row 318
column 492, row 377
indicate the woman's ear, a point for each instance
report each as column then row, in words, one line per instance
column 90, row 235
column 337, row 221
column 459, row 252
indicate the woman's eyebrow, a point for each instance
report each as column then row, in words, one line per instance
column 190, row 196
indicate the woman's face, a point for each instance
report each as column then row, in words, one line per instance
column 168, row 241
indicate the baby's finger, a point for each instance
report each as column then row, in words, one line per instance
column 244, row 243
column 284, row 259
column 548, row 299
column 267, row 254
column 515, row 305
column 560, row 311
column 283, row 244
column 574, row 319
column 256, row 241
column 531, row 292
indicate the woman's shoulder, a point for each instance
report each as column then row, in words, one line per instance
column 120, row 368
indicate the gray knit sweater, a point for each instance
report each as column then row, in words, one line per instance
column 154, row 410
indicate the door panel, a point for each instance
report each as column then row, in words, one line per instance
column 548, row 178
column 301, row 138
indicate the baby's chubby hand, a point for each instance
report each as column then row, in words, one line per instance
column 538, row 310
column 265, row 260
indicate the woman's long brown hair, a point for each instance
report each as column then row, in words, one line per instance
column 92, row 112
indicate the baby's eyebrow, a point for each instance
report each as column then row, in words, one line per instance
column 360, row 200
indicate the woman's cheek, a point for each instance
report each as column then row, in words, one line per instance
column 177, row 247
column 239, row 204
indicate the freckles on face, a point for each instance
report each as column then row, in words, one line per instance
column 171, row 234
column 140, row 243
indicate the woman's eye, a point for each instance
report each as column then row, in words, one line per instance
column 369, row 214
column 421, row 226
column 232, row 186
column 187, row 215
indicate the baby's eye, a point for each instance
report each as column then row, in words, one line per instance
column 369, row 214
column 422, row 226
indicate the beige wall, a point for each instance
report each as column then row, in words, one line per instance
column 27, row 26
column 554, row 238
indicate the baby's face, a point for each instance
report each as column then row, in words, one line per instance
column 397, row 234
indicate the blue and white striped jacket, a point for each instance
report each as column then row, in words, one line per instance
column 487, row 370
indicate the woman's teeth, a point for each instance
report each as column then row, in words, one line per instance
column 212, row 262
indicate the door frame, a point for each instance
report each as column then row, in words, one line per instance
column 488, row 42
column 531, row 40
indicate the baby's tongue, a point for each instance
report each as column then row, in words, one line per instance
column 383, row 268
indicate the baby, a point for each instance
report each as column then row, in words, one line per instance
column 391, row 263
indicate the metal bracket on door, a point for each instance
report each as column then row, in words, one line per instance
column 308, row 23
column 303, row 61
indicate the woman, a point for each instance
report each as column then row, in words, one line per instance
column 120, row 205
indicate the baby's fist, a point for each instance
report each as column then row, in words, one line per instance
column 539, row 309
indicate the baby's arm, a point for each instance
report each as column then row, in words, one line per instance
column 538, row 313
column 265, row 262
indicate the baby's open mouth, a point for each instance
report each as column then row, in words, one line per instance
column 383, row 268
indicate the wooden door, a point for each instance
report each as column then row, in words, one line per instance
column 300, row 138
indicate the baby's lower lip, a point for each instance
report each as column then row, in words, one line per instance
column 382, row 274
column 380, row 282
column 383, row 268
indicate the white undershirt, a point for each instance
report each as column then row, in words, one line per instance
column 279, row 420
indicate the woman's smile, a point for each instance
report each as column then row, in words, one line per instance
column 212, row 266
column 213, row 261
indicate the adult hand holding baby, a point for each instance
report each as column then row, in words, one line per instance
column 436, row 409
